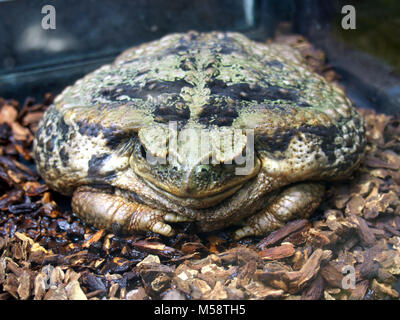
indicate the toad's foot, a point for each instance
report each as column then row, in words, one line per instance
column 109, row 211
column 298, row 201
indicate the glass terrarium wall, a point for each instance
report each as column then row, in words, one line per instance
column 366, row 55
column 87, row 34
column 35, row 59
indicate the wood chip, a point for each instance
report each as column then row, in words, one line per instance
column 332, row 275
column 275, row 253
column 358, row 293
column 281, row 233
column 315, row 290
column 366, row 234
column 74, row 291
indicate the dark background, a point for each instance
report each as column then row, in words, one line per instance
column 89, row 33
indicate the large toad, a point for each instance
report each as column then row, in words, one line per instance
column 204, row 127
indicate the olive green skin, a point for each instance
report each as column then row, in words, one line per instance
column 90, row 142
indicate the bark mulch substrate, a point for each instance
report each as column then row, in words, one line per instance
column 48, row 253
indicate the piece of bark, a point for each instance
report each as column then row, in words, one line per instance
column 281, row 233
column 276, row 275
column 11, row 285
column 341, row 196
column 136, row 294
column 332, row 275
column 260, row 292
column 157, row 248
column 315, row 290
column 382, row 291
column 365, row 233
column 192, row 247
column 40, row 286
column 57, row 293
column 150, row 271
column 369, row 267
column 94, row 238
column 308, row 271
column 217, row 293
column 74, row 291
column 173, row 294
column 199, row 288
column 161, row 282
column 24, row 288
column 358, row 293
column 246, row 273
column 285, row 250
column 355, row 205
column 238, row 256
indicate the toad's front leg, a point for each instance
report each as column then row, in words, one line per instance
column 104, row 210
column 297, row 201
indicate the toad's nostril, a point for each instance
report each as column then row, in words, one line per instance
column 200, row 170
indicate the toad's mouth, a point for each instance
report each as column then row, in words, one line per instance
column 199, row 187
column 197, row 202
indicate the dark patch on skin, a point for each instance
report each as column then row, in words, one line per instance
column 152, row 88
column 224, row 49
column 114, row 137
column 328, row 135
column 46, row 163
column 111, row 176
column 227, row 45
column 37, row 155
column 303, row 104
column 188, row 63
column 50, row 144
column 104, row 188
column 218, row 112
column 253, row 92
column 142, row 72
column 193, row 36
column 116, row 229
column 279, row 141
column 274, row 64
column 131, row 60
column 174, row 109
column 130, row 195
column 64, row 156
column 96, row 162
column 63, row 128
column 191, row 45
column 39, row 131
column 88, row 129
column 357, row 122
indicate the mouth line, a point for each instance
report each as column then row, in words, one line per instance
column 200, row 202
column 183, row 192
